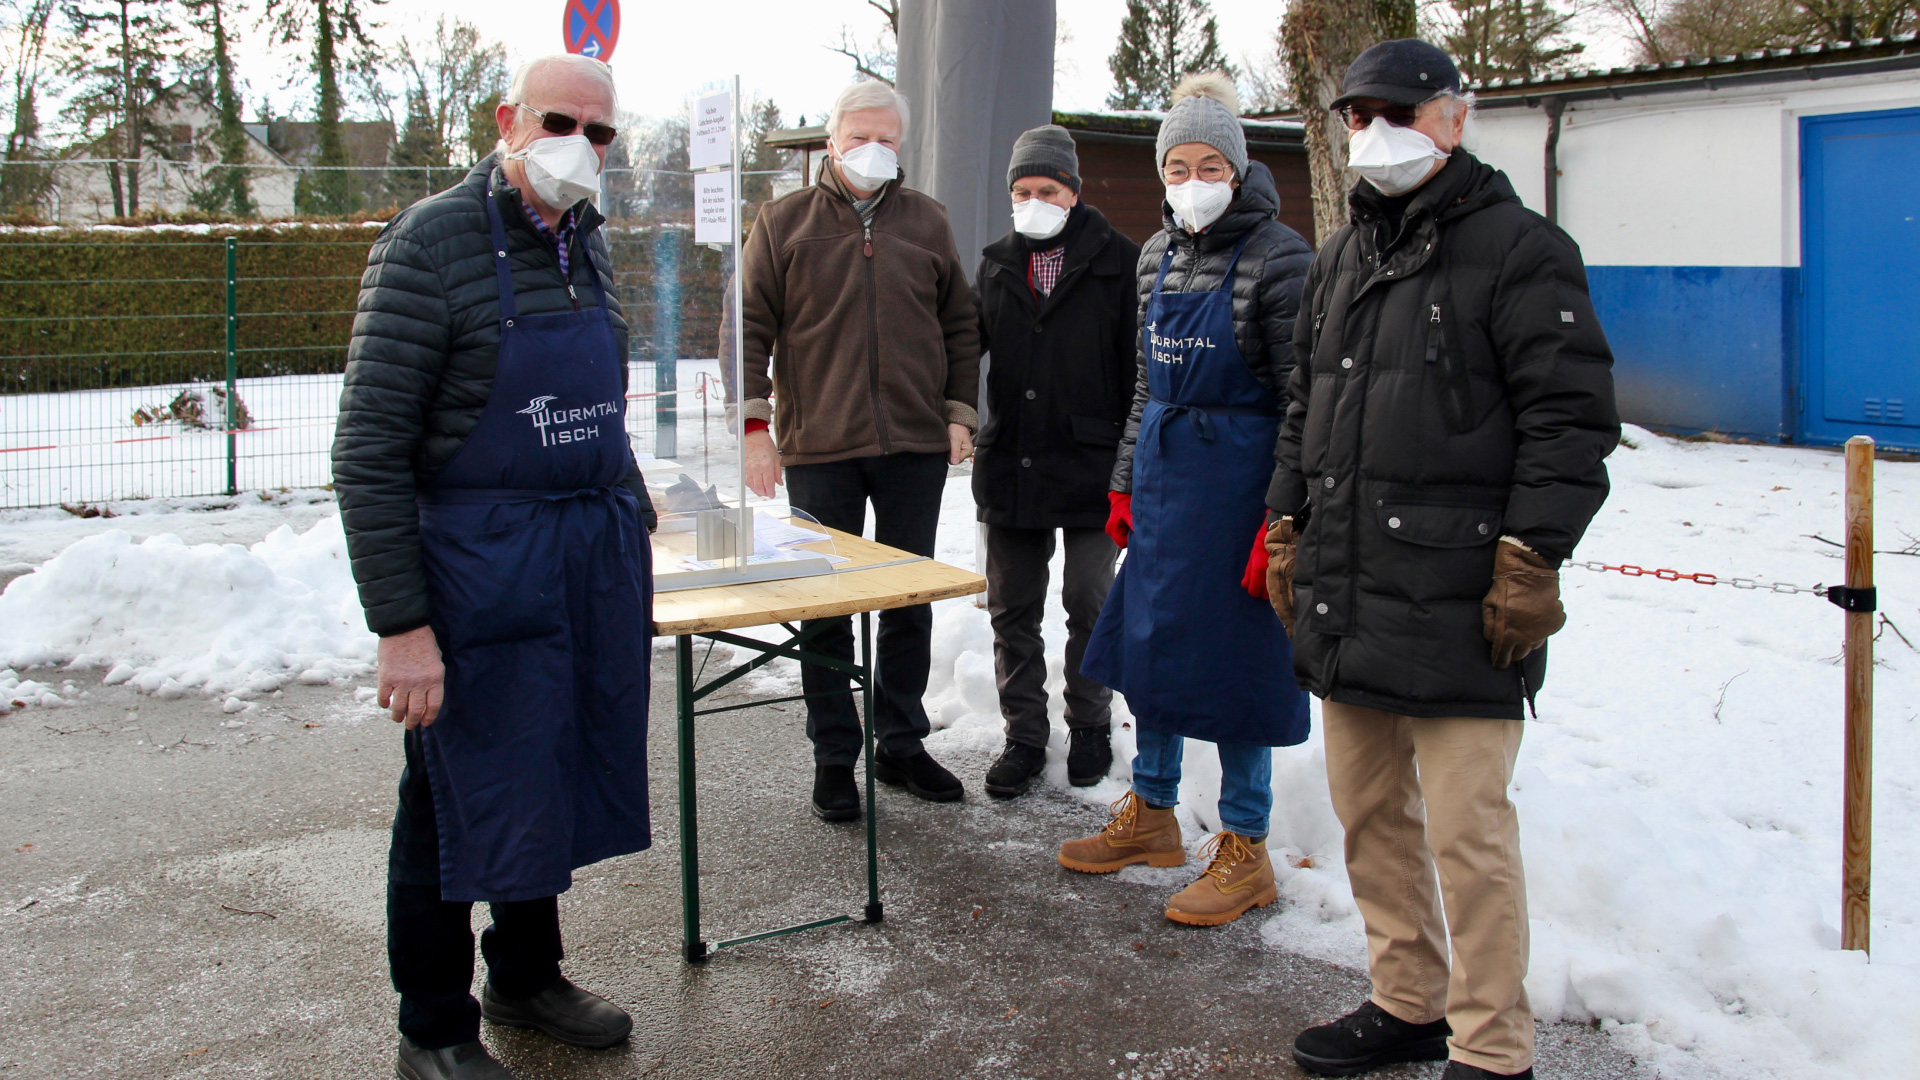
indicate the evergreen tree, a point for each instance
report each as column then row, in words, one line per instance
column 1162, row 42
column 334, row 25
column 410, row 175
column 226, row 189
column 123, row 49
column 761, row 120
column 483, row 133
column 1506, row 39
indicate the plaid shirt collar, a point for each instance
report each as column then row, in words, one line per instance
column 561, row 238
column 1043, row 269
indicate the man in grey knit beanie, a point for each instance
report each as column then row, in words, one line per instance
column 1203, row 112
column 1046, row 151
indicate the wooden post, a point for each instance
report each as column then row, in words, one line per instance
column 1856, row 859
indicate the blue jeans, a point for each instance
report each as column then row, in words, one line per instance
column 1246, row 780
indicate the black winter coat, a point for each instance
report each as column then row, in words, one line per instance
column 420, row 366
column 1453, row 386
column 1266, row 290
column 1060, row 380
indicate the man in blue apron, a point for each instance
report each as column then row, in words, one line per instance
column 497, row 527
column 1195, row 655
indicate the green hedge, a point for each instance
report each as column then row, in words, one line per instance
column 88, row 309
column 94, row 308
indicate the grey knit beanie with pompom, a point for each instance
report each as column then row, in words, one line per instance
column 1205, row 110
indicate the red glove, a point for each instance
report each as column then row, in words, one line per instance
column 1255, row 579
column 1120, row 522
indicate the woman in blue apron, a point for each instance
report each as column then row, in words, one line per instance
column 1196, row 656
column 539, row 585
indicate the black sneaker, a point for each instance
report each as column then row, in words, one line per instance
column 1015, row 769
column 1089, row 755
column 1460, row 1070
column 1367, row 1038
column 564, row 1011
column 919, row 774
column 467, row 1061
column 835, row 796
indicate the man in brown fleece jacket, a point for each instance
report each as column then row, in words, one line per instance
column 855, row 294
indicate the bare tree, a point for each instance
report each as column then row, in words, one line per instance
column 1318, row 39
column 881, row 59
column 454, row 72
column 25, row 28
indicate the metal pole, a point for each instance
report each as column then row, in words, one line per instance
column 746, row 542
column 694, row 949
column 233, row 358
column 873, row 912
column 1857, row 822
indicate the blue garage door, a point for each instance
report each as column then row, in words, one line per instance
column 1860, row 261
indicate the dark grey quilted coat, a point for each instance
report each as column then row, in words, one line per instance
column 1453, row 385
column 421, row 363
column 1266, row 290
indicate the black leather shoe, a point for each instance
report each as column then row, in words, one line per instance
column 1367, row 1038
column 835, row 796
column 1015, row 769
column 919, row 774
column 467, row 1061
column 1460, row 1070
column 1089, row 755
column 563, row 1011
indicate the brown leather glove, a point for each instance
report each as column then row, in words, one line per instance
column 1283, row 547
column 1523, row 608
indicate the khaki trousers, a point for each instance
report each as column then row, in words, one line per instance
column 1417, row 795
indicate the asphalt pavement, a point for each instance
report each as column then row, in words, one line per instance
column 188, row 893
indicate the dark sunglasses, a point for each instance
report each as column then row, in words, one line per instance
column 562, row 124
column 1358, row 117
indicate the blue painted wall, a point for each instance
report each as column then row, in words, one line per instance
column 1700, row 347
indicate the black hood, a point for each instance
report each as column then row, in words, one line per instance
column 1256, row 200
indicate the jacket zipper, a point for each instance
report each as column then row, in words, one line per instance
column 873, row 346
column 574, row 296
column 1454, row 393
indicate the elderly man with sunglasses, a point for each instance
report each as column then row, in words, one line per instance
column 496, row 522
column 1450, row 411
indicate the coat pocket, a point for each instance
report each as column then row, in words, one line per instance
column 1434, row 526
column 1450, row 369
column 1096, row 431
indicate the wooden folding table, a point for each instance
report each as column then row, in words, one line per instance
column 874, row 578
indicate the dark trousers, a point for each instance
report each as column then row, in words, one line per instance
column 1017, row 599
column 430, row 940
column 905, row 491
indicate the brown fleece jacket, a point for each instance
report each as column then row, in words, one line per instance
column 872, row 329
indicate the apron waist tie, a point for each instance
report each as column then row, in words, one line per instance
column 482, row 496
column 1202, row 415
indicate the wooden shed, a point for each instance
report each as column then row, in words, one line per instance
column 1117, row 169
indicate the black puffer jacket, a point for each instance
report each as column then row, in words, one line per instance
column 421, row 363
column 1060, row 380
column 1266, row 290
column 1453, row 386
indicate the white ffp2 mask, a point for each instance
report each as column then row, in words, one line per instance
column 870, row 165
column 562, row 169
column 1199, row 203
column 1394, row 159
column 1038, row 219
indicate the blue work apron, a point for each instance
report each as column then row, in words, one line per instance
column 540, row 590
column 1193, row 653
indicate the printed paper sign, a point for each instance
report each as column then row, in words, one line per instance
column 713, row 207
column 710, row 131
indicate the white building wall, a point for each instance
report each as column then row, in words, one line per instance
column 1700, row 178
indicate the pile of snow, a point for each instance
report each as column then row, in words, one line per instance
column 169, row 618
column 1679, row 793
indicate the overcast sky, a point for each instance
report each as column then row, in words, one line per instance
column 667, row 49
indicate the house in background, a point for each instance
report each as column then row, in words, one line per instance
column 369, row 146
column 1117, row 170
column 1751, row 228
column 170, row 177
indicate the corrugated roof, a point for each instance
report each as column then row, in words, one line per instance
column 1787, row 63
column 1129, row 124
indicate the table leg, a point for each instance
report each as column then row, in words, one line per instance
column 873, row 912
column 695, row 949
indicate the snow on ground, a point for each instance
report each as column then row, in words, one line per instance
column 1679, row 793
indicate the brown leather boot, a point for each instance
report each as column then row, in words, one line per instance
column 1137, row 834
column 1239, row 877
